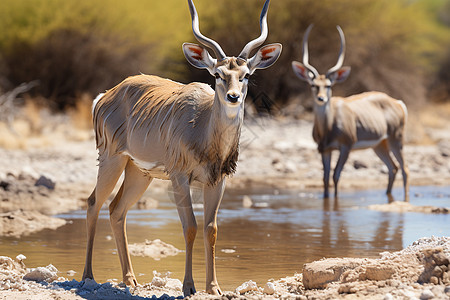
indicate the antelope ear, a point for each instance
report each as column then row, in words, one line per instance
column 199, row 57
column 301, row 71
column 339, row 75
column 265, row 57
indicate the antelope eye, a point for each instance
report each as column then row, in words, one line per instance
column 328, row 86
column 217, row 76
column 313, row 86
column 247, row 76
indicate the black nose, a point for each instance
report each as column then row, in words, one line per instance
column 232, row 98
column 321, row 99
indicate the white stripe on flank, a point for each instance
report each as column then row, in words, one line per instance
column 403, row 105
column 94, row 103
column 368, row 143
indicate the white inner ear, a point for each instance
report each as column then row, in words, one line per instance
column 199, row 57
column 265, row 57
column 302, row 72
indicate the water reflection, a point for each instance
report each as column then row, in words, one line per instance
column 271, row 240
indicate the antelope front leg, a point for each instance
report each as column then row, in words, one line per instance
column 212, row 198
column 344, row 151
column 182, row 197
column 326, row 162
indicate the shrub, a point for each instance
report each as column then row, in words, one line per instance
column 68, row 62
column 386, row 41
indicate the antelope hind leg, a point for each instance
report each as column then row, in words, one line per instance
column 382, row 150
column 134, row 185
column 396, row 148
column 109, row 171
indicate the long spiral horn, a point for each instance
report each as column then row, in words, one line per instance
column 213, row 45
column 264, row 32
column 306, row 53
column 340, row 60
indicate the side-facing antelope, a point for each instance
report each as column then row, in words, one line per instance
column 149, row 127
column 367, row 120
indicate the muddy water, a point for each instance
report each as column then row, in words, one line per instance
column 272, row 240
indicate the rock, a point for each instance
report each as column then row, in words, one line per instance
column 19, row 259
column 158, row 281
column 426, row 294
column 40, row 274
column 290, row 167
column 247, row 202
column 174, row 284
column 357, row 164
column 437, row 271
column 348, row 288
column 447, row 290
column 46, row 182
column 440, row 258
column 269, row 288
column 388, row 296
column 407, row 294
column 9, row 265
column 444, row 147
column 247, row 287
column 28, row 173
column 379, row 273
column 5, row 185
column 446, row 277
column 155, row 249
column 20, row 222
column 164, row 281
column 228, row 251
column 435, row 261
column 318, row 274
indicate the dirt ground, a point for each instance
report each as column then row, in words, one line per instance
column 54, row 170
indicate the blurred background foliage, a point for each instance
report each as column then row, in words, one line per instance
column 82, row 47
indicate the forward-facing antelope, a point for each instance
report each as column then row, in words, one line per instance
column 149, row 127
column 367, row 120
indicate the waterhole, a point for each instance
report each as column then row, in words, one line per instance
column 272, row 239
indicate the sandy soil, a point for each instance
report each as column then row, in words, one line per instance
column 420, row 271
column 39, row 181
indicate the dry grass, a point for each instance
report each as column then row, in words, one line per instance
column 81, row 115
column 428, row 124
column 36, row 126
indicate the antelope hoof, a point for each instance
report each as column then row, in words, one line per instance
column 406, row 199
column 188, row 290
column 87, row 275
column 130, row 280
column 214, row 289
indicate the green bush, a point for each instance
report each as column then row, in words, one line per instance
column 82, row 46
column 391, row 45
column 75, row 47
column 68, row 63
